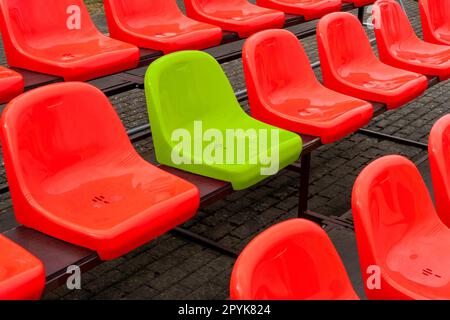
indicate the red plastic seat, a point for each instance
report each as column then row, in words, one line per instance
column 399, row 46
column 238, row 16
column 11, row 84
column 283, row 90
column 439, row 156
column 309, row 9
column 293, row 260
column 435, row 16
column 159, row 25
column 45, row 36
column 399, row 232
column 22, row 276
column 74, row 174
column 350, row 66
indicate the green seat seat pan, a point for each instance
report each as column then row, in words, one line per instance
column 189, row 87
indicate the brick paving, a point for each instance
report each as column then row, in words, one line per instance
column 172, row 268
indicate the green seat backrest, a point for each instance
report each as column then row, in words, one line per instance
column 186, row 87
column 190, row 85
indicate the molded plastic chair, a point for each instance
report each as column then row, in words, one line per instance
column 58, row 37
column 399, row 232
column 435, row 16
column 238, row 16
column 439, row 157
column 11, row 84
column 74, row 174
column 293, row 260
column 159, row 25
column 22, row 276
column 399, row 46
column 350, row 66
column 199, row 126
column 283, row 90
column 309, row 9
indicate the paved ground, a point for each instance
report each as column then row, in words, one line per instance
column 171, row 268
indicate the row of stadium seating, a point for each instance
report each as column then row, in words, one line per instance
column 74, row 175
column 51, row 43
column 399, row 234
column 47, row 44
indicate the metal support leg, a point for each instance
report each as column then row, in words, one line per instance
column 361, row 14
column 389, row 137
column 304, row 185
column 303, row 212
column 205, row 241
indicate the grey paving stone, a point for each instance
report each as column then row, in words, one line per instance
column 166, row 279
column 175, row 292
column 199, row 277
column 142, row 293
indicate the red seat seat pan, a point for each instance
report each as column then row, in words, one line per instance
column 399, row 46
column 309, row 9
column 350, row 66
column 439, row 157
column 37, row 37
column 435, row 16
column 11, row 84
column 293, row 260
column 398, row 230
column 283, row 90
column 22, row 276
column 159, row 25
column 238, row 16
column 74, row 174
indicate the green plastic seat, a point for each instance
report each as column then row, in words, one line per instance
column 188, row 94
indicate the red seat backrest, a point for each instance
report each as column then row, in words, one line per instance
column 274, row 60
column 342, row 41
column 43, row 23
column 137, row 12
column 389, row 200
column 391, row 24
column 53, row 128
column 437, row 10
column 434, row 15
column 294, row 259
column 439, row 155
